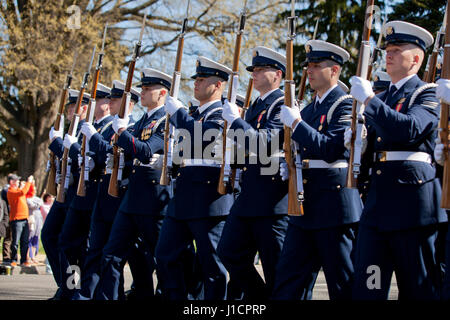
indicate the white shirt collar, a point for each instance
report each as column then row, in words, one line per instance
column 401, row 82
column 101, row 119
column 325, row 94
column 151, row 112
column 267, row 94
column 206, row 105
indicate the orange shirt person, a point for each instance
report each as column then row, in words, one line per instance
column 18, row 217
column 17, row 199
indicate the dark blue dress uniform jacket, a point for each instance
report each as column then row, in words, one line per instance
column 102, row 145
column 327, row 203
column 87, row 202
column 196, row 193
column 57, row 148
column 145, row 195
column 262, row 194
column 403, row 194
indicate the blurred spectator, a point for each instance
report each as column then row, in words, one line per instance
column 7, row 239
column 18, row 218
column 48, row 201
column 4, row 223
column 35, row 222
column 45, row 208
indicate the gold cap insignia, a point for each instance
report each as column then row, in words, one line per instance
column 198, row 63
column 308, row 48
column 376, row 78
column 389, row 30
column 255, row 53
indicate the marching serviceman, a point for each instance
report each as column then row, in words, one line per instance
column 399, row 223
column 197, row 211
column 258, row 219
column 105, row 206
column 73, row 239
column 443, row 94
column 57, row 214
column 324, row 237
column 144, row 204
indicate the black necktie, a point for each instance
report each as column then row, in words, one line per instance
column 195, row 114
column 391, row 93
column 316, row 104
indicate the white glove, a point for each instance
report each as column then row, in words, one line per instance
column 69, row 141
column 439, row 152
column 230, row 112
column 284, row 171
column 109, row 160
column 361, row 89
column 443, row 90
column 348, row 138
column 88, row 130
column 119, row 123
column 53, row 134
column 172, row 105
column 289, row 115
column 90, row 164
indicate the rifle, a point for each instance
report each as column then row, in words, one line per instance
column 248, row 97
column 65, row 170
column 432, row 62
column 376, row 51
column 443, row 122
column 174, row 88
column 302, row 87
column 358, row 108
column 295, row 198
column 84, row 169
column 113, row 188
column 51, row 182
column 225, row 169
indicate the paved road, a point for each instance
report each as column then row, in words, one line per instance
column 34, row 284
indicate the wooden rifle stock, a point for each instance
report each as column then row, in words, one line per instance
column 61, row 194
column 51, row 181
column 444, row 124
column 248, row 97
column 81, row 191
column 224, row 180
column 295, row 205
column 72, row 130
column 165, row 175
column 351, row 181
column 113, row 187
column 431, row 75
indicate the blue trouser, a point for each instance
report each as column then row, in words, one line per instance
column 174, row 242
column 98, row 237
column 410, row 253
column 446, row 285
column 242, row 237
column 72, row 242
column 126, row 229
column 49, row 235
column 20, row 233
column 305, row 251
